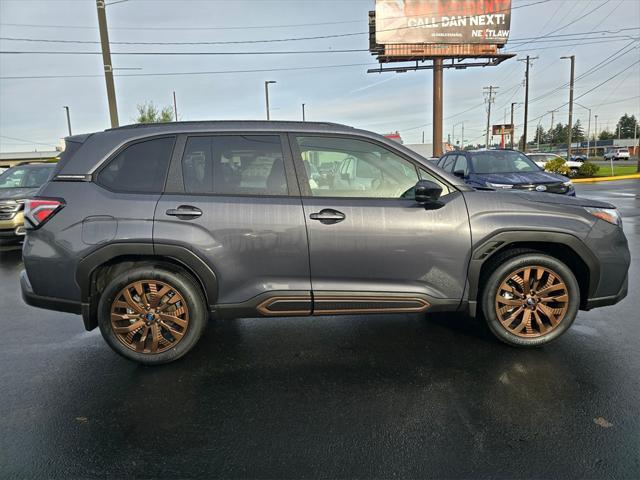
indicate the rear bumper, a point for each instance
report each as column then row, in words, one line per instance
column 48, row 303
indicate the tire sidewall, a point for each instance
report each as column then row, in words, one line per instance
column 189, row 290
column 501, row 272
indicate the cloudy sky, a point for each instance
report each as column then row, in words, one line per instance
column 334, row 86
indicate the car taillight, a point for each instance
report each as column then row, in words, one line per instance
column 38, row 211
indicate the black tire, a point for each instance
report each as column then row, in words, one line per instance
column 183, row 284
column 503, row 268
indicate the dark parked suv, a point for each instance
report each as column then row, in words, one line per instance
column 146, row 230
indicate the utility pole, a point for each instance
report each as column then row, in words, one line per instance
column 303, row 115
column 526, row 100
column 513, row 127
column 68, row 119
column 635, row 142
column 175, row 106
column 437, row 107
column 106, row 61
column 266, row 95
column 573, row 65
column 490, row 91
column 595, row 135
column 423, row 137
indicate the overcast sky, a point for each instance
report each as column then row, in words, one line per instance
column 31, row 113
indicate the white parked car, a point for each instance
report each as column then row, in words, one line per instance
column 541, row 159
column 617, row 154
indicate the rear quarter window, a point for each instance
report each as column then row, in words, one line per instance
column 140, row 168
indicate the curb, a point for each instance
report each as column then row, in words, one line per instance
column 606, row 179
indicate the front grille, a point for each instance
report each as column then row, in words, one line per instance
column 556, row 187
column 9, row 210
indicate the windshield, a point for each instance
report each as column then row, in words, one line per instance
column 501, row 161
column 26, row 177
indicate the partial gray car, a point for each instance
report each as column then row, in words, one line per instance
column 147, row 231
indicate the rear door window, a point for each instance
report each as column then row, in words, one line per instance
column 234, row 165
column 139, row 168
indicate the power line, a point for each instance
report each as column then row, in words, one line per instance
column 284, row 52
column 28, row 141
column 218, row 72
column 556, row 38
column 538, row 2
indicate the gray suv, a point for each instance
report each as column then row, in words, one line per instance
column 148, row 230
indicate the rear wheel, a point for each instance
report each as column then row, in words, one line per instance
column 152, row 315
column 530, row 300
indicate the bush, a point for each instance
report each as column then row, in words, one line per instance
column 588, row 169
column 557, row 165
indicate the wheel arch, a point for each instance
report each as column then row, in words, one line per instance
column 105, row 262
column 563, row 246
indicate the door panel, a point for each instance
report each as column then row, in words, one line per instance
column 386, row 243
column 255, row 241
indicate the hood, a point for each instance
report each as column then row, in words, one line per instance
column 519, row 178
column 557, row 199
column 17, row 193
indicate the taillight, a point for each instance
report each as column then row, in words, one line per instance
column 38, row 211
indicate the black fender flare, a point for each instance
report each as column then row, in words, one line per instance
column 499, row 241
column 179, row 254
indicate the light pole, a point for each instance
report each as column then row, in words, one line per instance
column 573, row 66
column 304, row 119
column 68, row 119
column 595, row 135
column 266, row 95
column 454, row 134
column 588, row 127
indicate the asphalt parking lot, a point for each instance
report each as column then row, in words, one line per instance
column 359, row 396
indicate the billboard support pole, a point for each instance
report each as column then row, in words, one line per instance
column 437, row 107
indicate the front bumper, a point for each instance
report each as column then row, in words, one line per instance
column 48, row 303
column 611, row 299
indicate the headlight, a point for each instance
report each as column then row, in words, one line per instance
column 610, row 215
column 499, row 185
column 568, row 184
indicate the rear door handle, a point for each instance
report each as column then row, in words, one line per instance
column 184, row 212
column 328, row 216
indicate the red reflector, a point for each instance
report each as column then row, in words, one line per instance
column 38, row 211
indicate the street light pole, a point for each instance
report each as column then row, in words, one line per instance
column 68, row 119
column 595, row 135
column 266, row 95
column 588, row 127
column 304, row 119
column 513, row 128
column 573, row 65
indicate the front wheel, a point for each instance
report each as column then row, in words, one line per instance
column 530, row 300
column 152, row 315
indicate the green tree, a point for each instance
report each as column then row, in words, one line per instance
column 149, row 113
column 627, row 125
column 559, row 134
column 577, row 132
column 606, row 135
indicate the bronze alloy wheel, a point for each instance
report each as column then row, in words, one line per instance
column 149, row 316
column 531, row 301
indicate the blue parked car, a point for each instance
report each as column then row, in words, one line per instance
column 502, row 169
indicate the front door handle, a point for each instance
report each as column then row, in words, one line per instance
column 184, row 212
column 328, row 216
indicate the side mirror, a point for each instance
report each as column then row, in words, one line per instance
column 459, row 173
column 427, row 191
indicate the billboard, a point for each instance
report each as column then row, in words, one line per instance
column 506, row 129
column 442, row 21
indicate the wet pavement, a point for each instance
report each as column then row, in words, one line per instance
column 358, row 396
